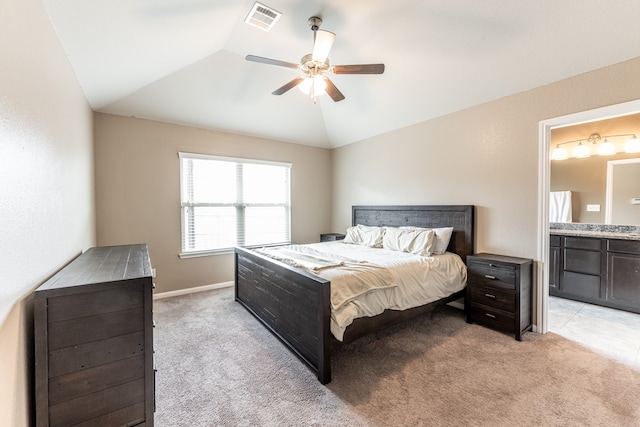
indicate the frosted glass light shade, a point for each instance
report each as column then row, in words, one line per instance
column 318, row 85
column 559, row 153
column 606, row 149
column 322, row 45
column 632, row 145
column 581, row 151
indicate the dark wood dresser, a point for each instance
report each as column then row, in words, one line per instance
column 499, row 292
column 93, row 325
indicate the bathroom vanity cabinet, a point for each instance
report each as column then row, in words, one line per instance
column 603, row 271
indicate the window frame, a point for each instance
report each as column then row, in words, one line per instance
column 239, row 205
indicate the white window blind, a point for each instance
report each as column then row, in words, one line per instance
column 229, row 202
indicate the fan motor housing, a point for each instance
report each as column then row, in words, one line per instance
column 308, row 63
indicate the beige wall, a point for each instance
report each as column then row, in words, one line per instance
column 587, row 178
column 46, row 182
column 486, row 156
column 138, row 194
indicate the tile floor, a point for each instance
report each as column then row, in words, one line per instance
column 614, row 333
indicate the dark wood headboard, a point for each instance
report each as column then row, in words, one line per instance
column 460, row 217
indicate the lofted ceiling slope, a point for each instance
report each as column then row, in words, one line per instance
column 182, row 61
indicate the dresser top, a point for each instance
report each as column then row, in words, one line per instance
column 499, row 258
column 102, row 264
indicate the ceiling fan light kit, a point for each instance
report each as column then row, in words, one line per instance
column 317, row 85
column 315, row 66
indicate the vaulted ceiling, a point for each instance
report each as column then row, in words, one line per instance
column 183, row 61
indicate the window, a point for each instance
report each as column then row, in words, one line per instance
column 229, row 202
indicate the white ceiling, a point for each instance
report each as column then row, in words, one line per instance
column 182, row 61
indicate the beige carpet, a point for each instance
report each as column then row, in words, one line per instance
column 217, row 366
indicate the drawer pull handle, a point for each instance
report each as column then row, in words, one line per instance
column 488, row 276
column 490, row 296
column 490, row 315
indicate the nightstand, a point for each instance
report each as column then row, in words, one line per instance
column 499, row 292
column 331, row 237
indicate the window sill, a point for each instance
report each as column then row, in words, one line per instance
column 199, row 254
column 226, row 251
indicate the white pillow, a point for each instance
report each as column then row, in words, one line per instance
column 365, row 235
column 391, row 238
column 414, row 241
column 442, row 238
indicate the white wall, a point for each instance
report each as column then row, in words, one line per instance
column 486, row 156
column 46, row 185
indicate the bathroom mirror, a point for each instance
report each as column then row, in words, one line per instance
column 588, row 178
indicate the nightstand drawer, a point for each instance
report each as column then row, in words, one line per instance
column 492, row 275
column 331, row 237
column 493, row 297
column 493, row 318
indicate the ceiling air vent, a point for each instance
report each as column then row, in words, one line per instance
column 262, row 16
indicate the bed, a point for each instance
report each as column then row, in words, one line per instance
column 295, row 304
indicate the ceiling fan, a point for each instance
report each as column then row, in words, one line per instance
column 315, row 66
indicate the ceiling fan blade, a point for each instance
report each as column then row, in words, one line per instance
column 270, row 61
column 323, row 40
column 358, row 69
column 293, row 83
column 333, row 91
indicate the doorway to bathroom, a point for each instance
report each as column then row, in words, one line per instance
column 607, row 330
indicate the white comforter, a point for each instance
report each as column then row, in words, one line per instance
column 365, row 281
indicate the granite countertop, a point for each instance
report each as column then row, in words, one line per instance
column 595, row 233
column 603, row 231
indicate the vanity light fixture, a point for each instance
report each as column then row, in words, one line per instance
column 605, row 148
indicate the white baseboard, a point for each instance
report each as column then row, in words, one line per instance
column 192, row 290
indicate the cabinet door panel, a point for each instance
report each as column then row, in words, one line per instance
column 579, row 261
column 623, row 284
column 581, row 285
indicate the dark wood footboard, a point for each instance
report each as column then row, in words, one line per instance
column 296, row 305
column 291, row 303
